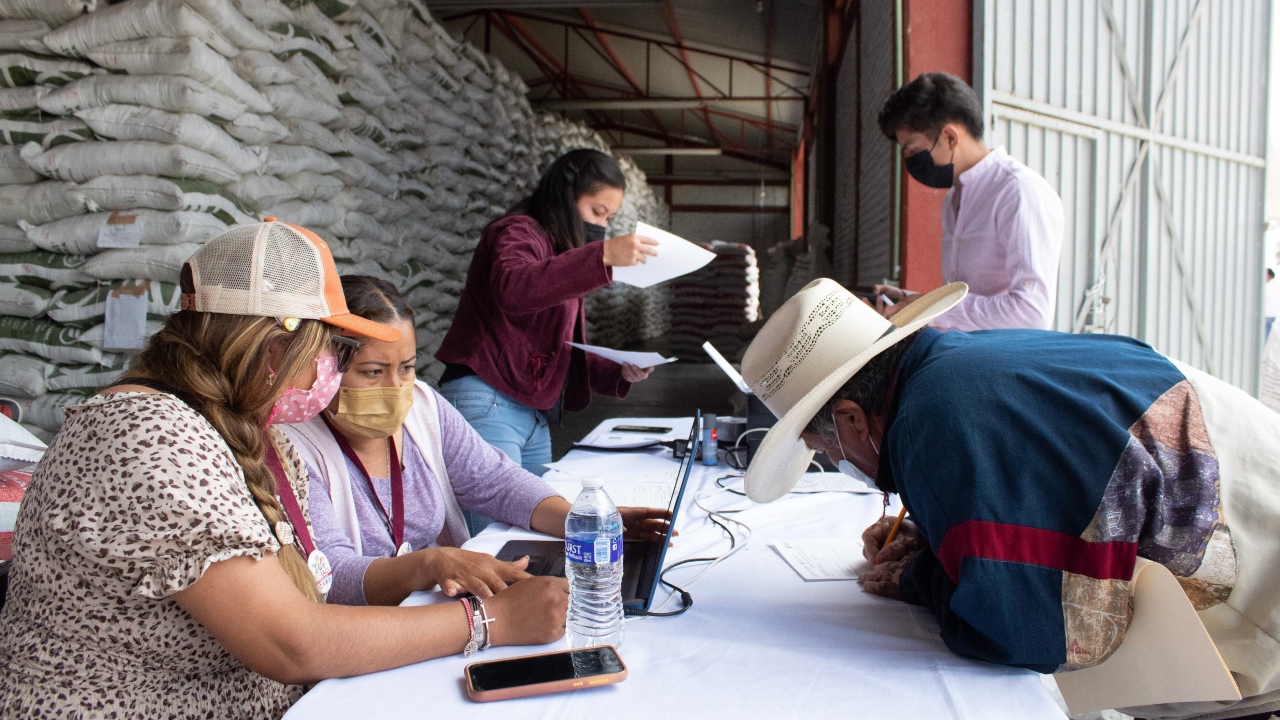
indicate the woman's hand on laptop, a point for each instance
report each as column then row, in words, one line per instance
column 459, row 571
column 645, row 523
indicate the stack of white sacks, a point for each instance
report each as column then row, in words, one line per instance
column 131, row 133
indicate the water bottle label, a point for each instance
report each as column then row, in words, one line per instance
column 598, row 552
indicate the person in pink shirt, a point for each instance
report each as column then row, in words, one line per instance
column 1002, row 224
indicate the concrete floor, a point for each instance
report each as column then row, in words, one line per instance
column 674, row 390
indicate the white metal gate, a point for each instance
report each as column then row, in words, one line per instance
column 1149, row 118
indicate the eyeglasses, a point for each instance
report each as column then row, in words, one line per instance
column 345, row 348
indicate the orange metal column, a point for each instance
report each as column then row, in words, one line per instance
column 938, row 37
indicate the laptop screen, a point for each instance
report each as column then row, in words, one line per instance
column 693, row 448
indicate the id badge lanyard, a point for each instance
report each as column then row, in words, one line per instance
column 316, row 559
column 394, row 520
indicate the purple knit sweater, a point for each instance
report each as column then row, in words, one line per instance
column 483, row 478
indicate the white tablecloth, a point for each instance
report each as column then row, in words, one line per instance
column 759, row 642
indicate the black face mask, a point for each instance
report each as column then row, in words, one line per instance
column 922, row 167
column 594, row 233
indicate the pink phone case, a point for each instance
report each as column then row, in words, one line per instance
column 543, row 688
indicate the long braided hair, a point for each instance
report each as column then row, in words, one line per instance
column 219, row 366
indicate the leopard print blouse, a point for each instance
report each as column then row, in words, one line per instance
column 134, row 499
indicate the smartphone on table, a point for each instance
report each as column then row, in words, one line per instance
column 544, row 674
column 644, row 429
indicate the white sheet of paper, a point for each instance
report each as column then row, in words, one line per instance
column 816, row 560
column 676, row 257
column 126, row 318
column 679, row 429
column 623, row 494
column 639, row 359
column 639, row 468
column 832, row 482
column 622, row 440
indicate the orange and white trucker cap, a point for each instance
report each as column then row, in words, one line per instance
column 274, row 269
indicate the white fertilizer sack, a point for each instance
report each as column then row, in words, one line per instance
column 49, row 340
column 179, row 56
column 45, row 269
column 255, row 129
column 80, row 235
column 52, row 12
column 41, row 202
column 19, row 70
column 262, row 68
column 84, row 161
column 165, row 92
column 21, row 300
column 50, row 133
column 22, row 101
column 152, row 262
column 129, row 122
column 291, row 159
column 24, row 376
column 134, row 20
column 263, row 191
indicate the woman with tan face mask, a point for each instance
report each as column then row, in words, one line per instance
column 393, row 465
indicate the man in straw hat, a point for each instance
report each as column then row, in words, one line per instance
column 1037, row 467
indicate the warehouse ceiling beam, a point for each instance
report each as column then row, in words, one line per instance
column 471, row 5
column 654, row 103
column 755, row 62
column 748, row 154
column 618, row 65
column 669, row 13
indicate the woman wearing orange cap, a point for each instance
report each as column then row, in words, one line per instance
column 165, row 566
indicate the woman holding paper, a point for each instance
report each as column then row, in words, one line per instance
column 392, row 466
column 509, row 367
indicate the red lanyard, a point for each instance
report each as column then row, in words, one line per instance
column 394, row 520
column 290, row 502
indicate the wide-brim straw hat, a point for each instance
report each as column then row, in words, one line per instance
column 807, row 350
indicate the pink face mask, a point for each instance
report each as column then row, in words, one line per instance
column 298, row 406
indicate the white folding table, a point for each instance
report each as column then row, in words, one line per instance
column 759, row 642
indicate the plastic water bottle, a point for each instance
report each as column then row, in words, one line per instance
column 593, row 564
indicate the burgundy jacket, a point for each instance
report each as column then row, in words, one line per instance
column 521, row 305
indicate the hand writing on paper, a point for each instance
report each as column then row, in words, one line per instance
column 633, row 374
column 459, row 571
column 897, row 296
column 885, row 579
column 629, row 250
column 530, row 612
column 907, row 541
column 644, row 523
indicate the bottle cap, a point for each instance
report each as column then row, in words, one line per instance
column 592, row 483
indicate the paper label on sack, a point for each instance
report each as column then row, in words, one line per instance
column 676, row 257
column 126, row 320
column 120, row 231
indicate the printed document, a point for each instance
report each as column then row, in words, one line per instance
column 676, row 257
column 639, row 359
column 823, row 559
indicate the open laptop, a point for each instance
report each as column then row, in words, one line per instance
column 641, row 559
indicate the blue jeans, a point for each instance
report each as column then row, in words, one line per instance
column 517, row 430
